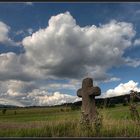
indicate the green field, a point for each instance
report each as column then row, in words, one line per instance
column 65, row 122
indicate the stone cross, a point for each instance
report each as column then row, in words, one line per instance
column 88, row 93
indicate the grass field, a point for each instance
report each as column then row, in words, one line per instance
column 65, row 122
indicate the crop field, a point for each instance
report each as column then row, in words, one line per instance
column 65, row 122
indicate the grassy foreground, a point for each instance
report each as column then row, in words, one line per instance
column 64, row 122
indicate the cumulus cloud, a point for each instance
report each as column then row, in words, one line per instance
column 4, row 29
column 12, row 92
column 122, row 89
column 29, row 94
column 20, row 93
column 64, row 49
column 4, row 37
column 47, row 99
column 15, row 88
column 14, row 66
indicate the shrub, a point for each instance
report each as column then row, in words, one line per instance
column 4, row 111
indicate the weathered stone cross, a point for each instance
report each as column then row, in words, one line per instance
column 88, row 93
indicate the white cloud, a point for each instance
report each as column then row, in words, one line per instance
column 4, row 101
column 4, row 38
column 70, row 85
column 112, row 79
column 61, row 86
column 4, row 29
column 64, row 49
column 122, row 89
column 15, row 88
column 15, row 66
column 56, row 98
column 27, row 94
column 132, row 62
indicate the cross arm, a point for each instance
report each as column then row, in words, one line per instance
column 79, row 92
column 95, row 91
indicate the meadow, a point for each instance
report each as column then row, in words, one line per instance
column 65, row 122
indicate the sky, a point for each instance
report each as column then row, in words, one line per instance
column 47, row 49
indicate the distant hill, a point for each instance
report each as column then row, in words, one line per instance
column 8, row 106
column 107, row 101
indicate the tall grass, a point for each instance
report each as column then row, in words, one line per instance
column 67, row 124
column 110, row 128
